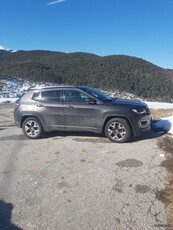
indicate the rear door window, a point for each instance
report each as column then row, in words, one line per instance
column 51, row 96
column 35, row 96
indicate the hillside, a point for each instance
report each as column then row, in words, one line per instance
column 120, row 72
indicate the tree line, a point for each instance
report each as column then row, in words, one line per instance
column 116, row 72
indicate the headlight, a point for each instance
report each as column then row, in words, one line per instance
column 140, row 110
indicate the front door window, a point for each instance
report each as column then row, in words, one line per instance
column 75, row 96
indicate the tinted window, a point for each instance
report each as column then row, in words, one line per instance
column 52, row 95
column 35, row 96
column 18, row 100
column 75, row 96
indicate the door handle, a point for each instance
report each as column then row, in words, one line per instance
column 39, row 105
column 69, row 107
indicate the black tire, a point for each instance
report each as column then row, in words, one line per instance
column 32, row 128
column 118, row 130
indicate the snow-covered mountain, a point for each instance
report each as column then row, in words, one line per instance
column 13, row 88
column 6, row 50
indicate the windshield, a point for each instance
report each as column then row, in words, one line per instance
column 96, row 94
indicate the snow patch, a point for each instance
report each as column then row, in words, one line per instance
column 2, row 48
column 159, row 105
column 12, row 89
column 6, row 49
column 7, row 100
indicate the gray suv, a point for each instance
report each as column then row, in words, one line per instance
column 80, row 108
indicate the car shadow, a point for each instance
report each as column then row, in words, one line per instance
column 6, row 127
column 164, row 125
column 5, row 217
column 71, row 134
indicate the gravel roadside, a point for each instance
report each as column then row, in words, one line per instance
column 80, row 181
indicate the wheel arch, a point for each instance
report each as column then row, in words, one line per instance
column 117, row 116
column 24, row 117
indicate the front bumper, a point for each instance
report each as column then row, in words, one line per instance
column 143, row 125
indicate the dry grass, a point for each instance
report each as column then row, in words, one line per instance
column 160, row 113
column 166, row 144
column 166, row 195
column 6, row 115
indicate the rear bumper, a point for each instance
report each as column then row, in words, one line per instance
column 17, row 124
column 16, row 118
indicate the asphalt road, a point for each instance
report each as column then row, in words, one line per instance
column 74, row 181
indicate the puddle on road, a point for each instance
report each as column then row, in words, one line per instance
column 139, row 188
column 130, row 163
column 82, row 160
column 62, row 185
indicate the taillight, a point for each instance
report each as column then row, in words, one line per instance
column 16, row 106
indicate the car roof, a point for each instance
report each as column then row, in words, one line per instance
column 53, row 87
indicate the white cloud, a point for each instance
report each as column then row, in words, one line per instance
column 2, row 48
column 55, row 2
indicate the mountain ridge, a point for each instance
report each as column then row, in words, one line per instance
column 4, row 50
column 122, row 72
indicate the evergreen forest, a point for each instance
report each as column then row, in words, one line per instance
column 116, row 72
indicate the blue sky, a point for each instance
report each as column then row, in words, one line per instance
column 141, row 28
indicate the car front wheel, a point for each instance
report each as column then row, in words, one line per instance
column 118, row 130
column 32, row 128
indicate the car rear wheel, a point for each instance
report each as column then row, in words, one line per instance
column 118, row 130
column 32, row 128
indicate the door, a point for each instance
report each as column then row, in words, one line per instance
column 50, row 109
column 81, row 113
